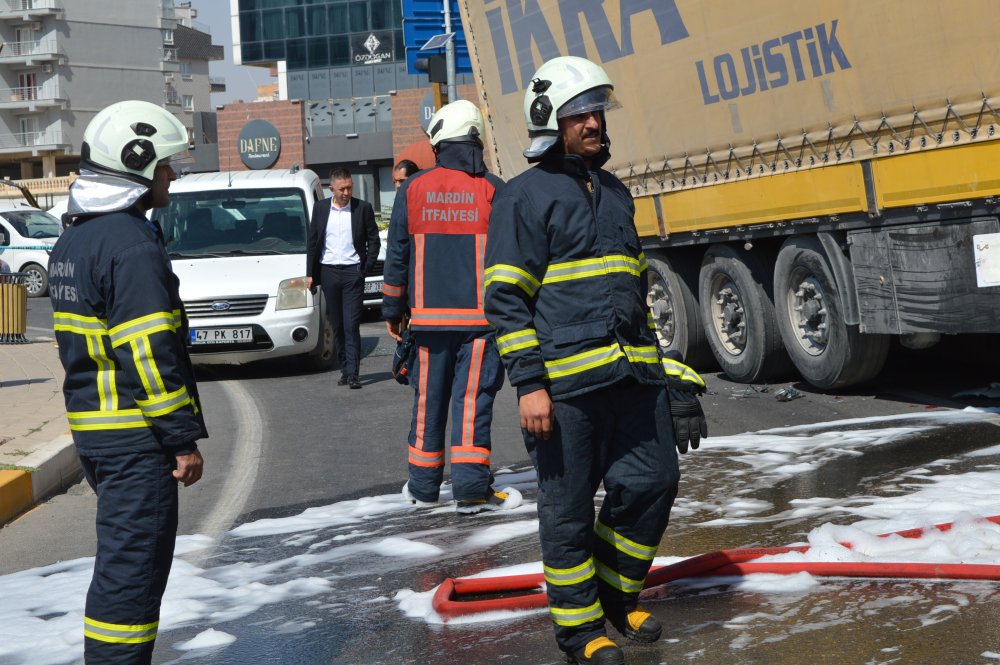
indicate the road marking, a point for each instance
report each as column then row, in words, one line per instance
column 241, row 472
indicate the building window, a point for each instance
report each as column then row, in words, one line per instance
column 168, row 36
column 274, row 24
column 319, row 55
column 338, row 20
column 317, row 21
column 340, row 50
column 381, row 15
column 274, row 50
column 188, row 102
column 359, row 16
column 250, row 30
column 295, row 22
column 186, row 71
column 295, row 53
column 27, row 86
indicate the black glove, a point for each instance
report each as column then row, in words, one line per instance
column 402, row 359
column 683, row 387
column 689, row 419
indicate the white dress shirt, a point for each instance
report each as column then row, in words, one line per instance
column 338, row 250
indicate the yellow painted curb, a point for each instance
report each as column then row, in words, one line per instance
column 15, row 493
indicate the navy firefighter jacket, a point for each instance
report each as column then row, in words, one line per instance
column 121, row 329
column 566, row 281
column 437, row 243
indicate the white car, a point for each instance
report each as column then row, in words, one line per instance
column 26, row 238
column 237, row 242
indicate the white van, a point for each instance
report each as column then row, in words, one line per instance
column 237, row 242
column 26, row 238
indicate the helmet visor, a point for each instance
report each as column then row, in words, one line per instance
column 178, row 160
column 595, row 99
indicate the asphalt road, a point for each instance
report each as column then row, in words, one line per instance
column 283, row 440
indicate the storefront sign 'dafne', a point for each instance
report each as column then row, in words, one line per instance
column 259, row 144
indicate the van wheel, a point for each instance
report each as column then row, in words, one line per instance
column 36, row 279
column 324, row 356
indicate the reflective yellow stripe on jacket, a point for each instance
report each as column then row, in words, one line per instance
column 586, row 360
column 681, row 371
column 602, row 265
column 512, row 275
column 82, row 421
column 517, row 340
column 134, row 333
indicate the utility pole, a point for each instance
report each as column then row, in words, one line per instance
column 449, row 53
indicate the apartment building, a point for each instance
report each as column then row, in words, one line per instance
column 62, row 61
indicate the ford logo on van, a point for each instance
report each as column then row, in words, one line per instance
column 221, row 306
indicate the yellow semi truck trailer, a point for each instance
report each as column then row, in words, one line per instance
column 810, row 178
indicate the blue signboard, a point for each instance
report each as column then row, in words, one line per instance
column 422, row 19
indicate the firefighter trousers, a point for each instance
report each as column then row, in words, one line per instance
column 136, row 530
column 620, row 435
column 458, row 372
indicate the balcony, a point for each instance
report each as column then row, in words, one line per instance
column 30, row 98
column 50, row 139
column 30, row 53
column 217, row 83
column 169, row 61
column 29, row 10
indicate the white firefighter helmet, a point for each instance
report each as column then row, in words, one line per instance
column 130, row 137
column 458, row 121
column 563, row 86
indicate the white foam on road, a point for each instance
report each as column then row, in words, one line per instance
column 42, row 609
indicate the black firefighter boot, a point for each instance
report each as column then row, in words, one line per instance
column 638, row 625
column 598, row 651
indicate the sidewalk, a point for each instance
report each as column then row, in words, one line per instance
column 37, row 458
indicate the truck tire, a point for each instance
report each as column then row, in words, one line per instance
column 737, row 313
column 674, row 306
column 828, row 352
column 36, row 279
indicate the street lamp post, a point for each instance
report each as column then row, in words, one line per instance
column 449, row 53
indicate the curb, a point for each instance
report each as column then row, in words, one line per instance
column 50, row 468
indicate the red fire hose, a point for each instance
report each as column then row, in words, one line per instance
column 448, row 599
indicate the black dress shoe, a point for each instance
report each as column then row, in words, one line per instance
column 343, row 380
column 354, row 382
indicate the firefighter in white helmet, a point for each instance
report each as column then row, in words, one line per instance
column 566, row 283
column 131, row 398
column 434, row 280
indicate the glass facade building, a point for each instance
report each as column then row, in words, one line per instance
column 345, row 59
column 347, row 56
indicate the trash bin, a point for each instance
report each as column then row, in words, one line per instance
column 13, row 308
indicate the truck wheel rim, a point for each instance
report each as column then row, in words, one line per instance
column 807, row 312
column 728, row 315
column 661, row 306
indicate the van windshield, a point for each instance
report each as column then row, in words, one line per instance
column 33, row 223
column 232, row 222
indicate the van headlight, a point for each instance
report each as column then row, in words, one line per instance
column 292, row 294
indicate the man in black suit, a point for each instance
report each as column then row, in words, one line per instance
column 343, row 247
